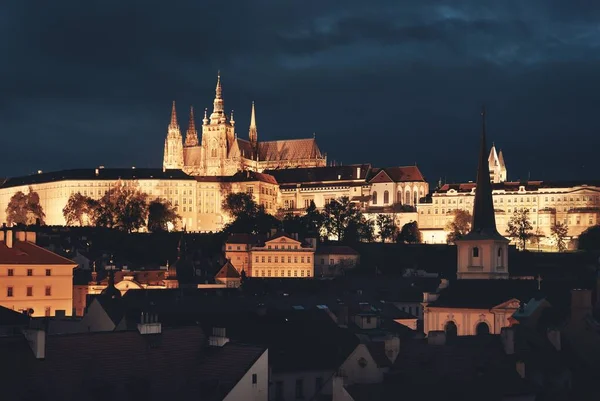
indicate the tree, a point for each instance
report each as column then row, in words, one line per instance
column 410, row 233
column 387, row 227
column 122, row 207
column 160, row 214
column 459, row 226
column 559, row 233
column 240, row 204
column 79, row 209
column 338, row 216
column 25, row 208
column 313, row 220
column 589, row 240
column 519, row 226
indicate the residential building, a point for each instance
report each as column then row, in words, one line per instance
column 32, row 279
column 280, row 255
column 332, row 260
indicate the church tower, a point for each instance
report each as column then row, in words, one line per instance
column 173, row 158
column 253, row 133
column 483, row 252
column 217, row 138
column 496, row 166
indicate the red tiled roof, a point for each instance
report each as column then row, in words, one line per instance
column 400, row 174
column 27, row 253
column 228, row 271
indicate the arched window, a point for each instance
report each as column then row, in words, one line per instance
column 482, row 328
column 375, row 198
column 475, row 252
column 399, row 197
column 416, row 198
column 386, row 197
column 500, row 255
column 450, row 329
column 407, row 197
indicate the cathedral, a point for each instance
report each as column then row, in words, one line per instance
column 219, row 151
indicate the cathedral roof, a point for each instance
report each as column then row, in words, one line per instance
column 289, row 149
column 112, row 174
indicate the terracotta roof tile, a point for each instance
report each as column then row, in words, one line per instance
column 400, row 174
column 27, row 253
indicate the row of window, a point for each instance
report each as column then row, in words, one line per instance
column 282, row 258
column 399, row 198
column 10, row 291
column 282, row 273
column 497, row 199
column 11, row 272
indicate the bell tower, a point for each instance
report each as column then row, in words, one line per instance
column 483, row 252
column 173, row 157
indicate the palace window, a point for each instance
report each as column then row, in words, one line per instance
column 375, row 197
column 9, row 291
column 386, row 197
column 475, row 252
column 48, row 272
column 29, row 291
column 11, row 272
column 48, row 291
column 30, row 272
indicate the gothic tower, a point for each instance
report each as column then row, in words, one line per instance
column 496, row 166
column 217, row 138
column 253, row 133
column 191, row 136
column 483, row 252
column 173, row 158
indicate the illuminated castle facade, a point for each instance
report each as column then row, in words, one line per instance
column 219, row 152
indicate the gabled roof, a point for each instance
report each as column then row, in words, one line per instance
column 396, row 174
column 282, row 237
column 289, row 149
column 27, row 253
column 228, row 271
column 125, row 365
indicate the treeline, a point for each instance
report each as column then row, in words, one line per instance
column 339, row 219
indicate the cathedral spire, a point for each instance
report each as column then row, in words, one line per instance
column 253, row 132
column 484, row 221
column 191, row 136
column 173, row 117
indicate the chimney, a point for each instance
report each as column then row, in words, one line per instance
column 37, row 342
column 507, row 335
column 581, row 304
column 520, row 366
column 554, row 338
column 392, row 348
column 8, row 239
column 358, row 173
column 218, row 338
column 436, row 337
column 149, row 324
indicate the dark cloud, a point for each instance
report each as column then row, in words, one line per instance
column 386, row 82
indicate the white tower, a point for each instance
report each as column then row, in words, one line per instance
column 173, row 158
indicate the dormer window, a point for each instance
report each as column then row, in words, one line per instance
column 475, row 252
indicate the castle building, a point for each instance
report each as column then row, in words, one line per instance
column 219, row 151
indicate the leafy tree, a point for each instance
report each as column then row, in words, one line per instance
column 459, row 226
column 78, row 208
column 313, row 220
column 589, row 240
column 160, row 214
column 25, row 208
column 387, row 227
column 519, row 226
column 559, row 233
column 293, row 223
column 122, row 207
column 410, row 234
column 339, row 215
column 240, row 204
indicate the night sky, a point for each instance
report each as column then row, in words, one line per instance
column 88, row 83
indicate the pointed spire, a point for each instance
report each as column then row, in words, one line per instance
column 253, row 132
column 231, row 120
column 218, row 115
column 191, row 136
column 205, row 119
column 173, row 117
column 484, row 221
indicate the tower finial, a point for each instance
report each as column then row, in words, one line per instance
column 191, row 136
column 173, row 116
column 205, row 119
column 231, row 120
column 218, row 114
